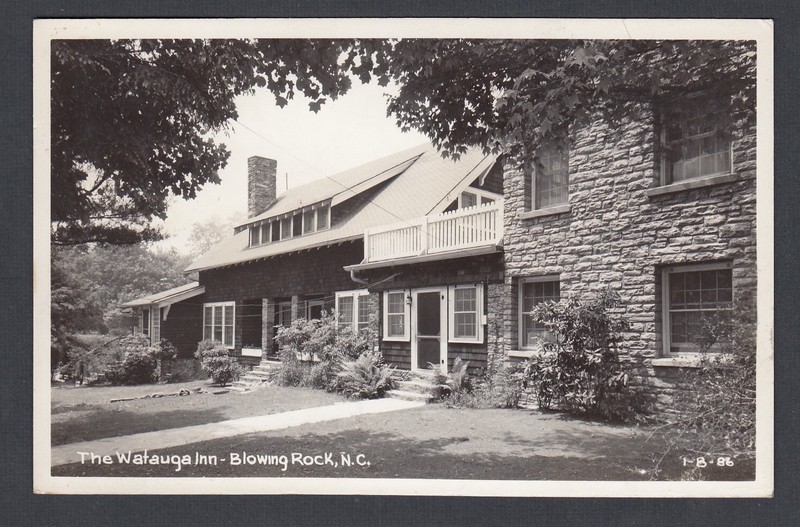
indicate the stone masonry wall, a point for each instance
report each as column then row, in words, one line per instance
column 616, row 234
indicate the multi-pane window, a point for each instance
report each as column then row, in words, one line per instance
column 465, row 313
column 551, row 177
column 695, row 149
column 218, row 322
column 694, row 295
column 533, row 291
column 395, row 321
column 352, row 309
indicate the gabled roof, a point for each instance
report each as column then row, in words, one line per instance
column 419, row 182
column 170, row 296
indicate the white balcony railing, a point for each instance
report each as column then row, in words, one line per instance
column 478, row 226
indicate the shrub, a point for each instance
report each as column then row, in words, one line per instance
column 138, row 367
column 718, row 412
column 579, row 369
column 312, row 351
column 367, row 377
column 501, row 386
column 216, row 361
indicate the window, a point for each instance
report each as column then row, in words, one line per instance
column 218, row 322
column 468, row 199
column 533, row 291
column 693, row 295
column 694, row 149
column 275, row 230
column 286, row 227
column 323, row 217
column 265, row 233
column 297, row 225
column 551, row 178
column 485, row 200
column 146, row 322
column 255, row 235
column 314, row 307
column 309, row 222
column 395, row 316
column 466, row 309
column 352, row 308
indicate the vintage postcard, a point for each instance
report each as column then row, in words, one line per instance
column 506, row 257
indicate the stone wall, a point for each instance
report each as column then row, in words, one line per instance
column 620, row 230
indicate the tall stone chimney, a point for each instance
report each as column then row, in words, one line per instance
column 261, row 174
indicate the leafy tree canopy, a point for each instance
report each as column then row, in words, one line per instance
column 511, row 96
column 132, row 121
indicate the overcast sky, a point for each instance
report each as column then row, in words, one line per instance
column 307, row 146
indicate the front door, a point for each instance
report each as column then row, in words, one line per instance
column 428, row 321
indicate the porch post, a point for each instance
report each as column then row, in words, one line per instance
column 297, row 308
column 267, row 327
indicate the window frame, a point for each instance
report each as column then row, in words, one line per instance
column 521, row 302
column 146, row 327
column 406, row 336
column 356, row 295
column 479, row 314
column 666, row 176
column 666, row 320
column 213, row 324
column 535, row 172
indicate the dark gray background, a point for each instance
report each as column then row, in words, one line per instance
column 22, row 507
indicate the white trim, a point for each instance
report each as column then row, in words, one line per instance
column 213, row 324
column 520, row 291
column 406, row 337
column 443, row 309
column 666, row 323
column 356, row 295
column 451, row 314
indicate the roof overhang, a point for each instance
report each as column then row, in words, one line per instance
column 166, row 300
column 447, row 255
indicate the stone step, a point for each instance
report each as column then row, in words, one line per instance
column 410, row 396
column 253, row 379
column 261, row 374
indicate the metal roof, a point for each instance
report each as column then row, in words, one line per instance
column 422, row 182
column 170, row 296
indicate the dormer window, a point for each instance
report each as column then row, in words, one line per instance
column 291, row 225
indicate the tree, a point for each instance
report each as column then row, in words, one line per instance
column 132, row 121
column 511, row 96
column 106, row 277
column 206, row 234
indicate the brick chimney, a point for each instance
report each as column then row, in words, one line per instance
column 261, row 174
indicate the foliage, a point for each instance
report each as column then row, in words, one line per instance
column 206, row 234
column 456, row 380
column 367, row 377
column 718, row 411
column 580, row 370
column 105, row 277
column 133, row 120
column 312, row 350
column 501, row 386
column 515, row 95
column 216, row 361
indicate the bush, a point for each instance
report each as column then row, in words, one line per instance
column 367, row 377
column 312, row 351
column 216, row 361
column 501, row 386
column 718, row 413
column 580, row 370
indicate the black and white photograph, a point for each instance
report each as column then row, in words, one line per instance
column 468, row 257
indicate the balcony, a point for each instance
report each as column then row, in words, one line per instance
column 463, row 232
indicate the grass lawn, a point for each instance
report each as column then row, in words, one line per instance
column 86, row 413
column 438, row 442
